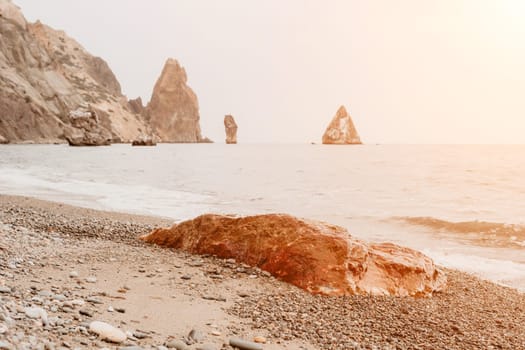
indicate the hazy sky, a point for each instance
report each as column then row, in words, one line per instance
column 409, row 71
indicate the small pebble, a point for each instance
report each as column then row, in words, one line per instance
column 196, row 335
column 107, row 331
column 36, row 313
column 259, row 339
column 5, row 345
column 206, row 347
column 177, row 344
column 91, row 279
column 244, row 344
column 94, row 300
column 85, row 312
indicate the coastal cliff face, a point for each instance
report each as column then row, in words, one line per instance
column 318, row 257
column 341, row 130
column 46, row 77
column 173, row 110
column 48, row 80
column 231, row 129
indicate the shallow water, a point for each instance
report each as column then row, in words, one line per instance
column 462, row 205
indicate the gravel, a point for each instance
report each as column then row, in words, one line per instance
column 48, row 313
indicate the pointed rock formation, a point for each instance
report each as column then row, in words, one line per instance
column 315, row 256
column 46, row 75
column 341, row 130
column 173, row 109
column 231, row 129
column 136, row 106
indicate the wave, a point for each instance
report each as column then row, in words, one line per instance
column 504, row 272
column 137, row 199
column 482, row 232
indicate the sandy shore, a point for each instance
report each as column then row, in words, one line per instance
column 81, row 265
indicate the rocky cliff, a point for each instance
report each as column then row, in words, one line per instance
column 231, row 129
column 48, row 80
column 341, row 130
column 315, row 256
column 173, row 110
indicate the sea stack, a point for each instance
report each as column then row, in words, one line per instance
column 341, row 130
column 174, row 109
column 231, row 129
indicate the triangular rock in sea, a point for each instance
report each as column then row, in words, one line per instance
column 341, row 130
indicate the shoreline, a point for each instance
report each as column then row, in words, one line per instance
column 170, row 293
column 169, row 221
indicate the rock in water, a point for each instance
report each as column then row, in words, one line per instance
column 174, row 109
column 341, row 130
column 231, row 129
column 144, row 141
column 107, row 332
column 316, row 256
column 86, row 130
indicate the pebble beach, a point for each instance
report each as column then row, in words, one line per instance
column 76, row 278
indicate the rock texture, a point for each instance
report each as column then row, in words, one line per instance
column 3, row 140
column 315, row 256
column 171, row 292
column 107, row 332
column 174, row 109
column 231, row 129
column 136, row 106
column 144, row 141
column 86, row 129
column 341, row 130
column 45, row 76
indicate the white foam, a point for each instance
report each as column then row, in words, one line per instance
column 140, row 199
column 504, row 272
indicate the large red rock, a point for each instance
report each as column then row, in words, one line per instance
column 315, row 256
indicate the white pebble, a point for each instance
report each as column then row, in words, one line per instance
column 107, row 331
column 36, row 312
column 78, row 302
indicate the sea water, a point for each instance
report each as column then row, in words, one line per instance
column 462, row 205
